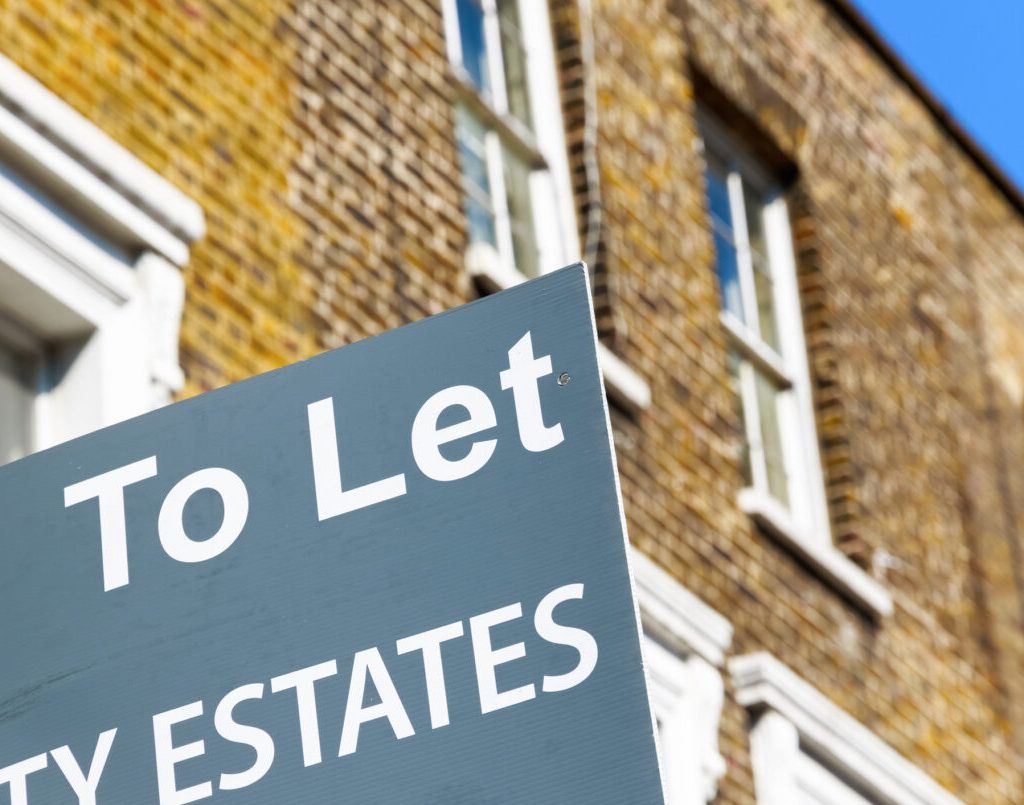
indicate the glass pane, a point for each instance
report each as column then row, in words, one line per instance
column 726, row 259
column 520, row 212
column 476, row 184
column 470, row 134
column 754, row 213
column 17, row 396
column 481, row 222
column 718, row 192
column 513, row 57
column 754, row 209
column 766, row 305
column 737, row 391
column 771, row 437
column 474, row 45
column 727, row 268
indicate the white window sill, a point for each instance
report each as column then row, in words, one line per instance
column 837, row 569
column 814, row 723
column 622, row 383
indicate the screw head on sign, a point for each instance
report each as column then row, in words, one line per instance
column 563, row 379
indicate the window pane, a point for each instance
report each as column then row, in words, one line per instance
column 514, row 59
column 754, row 213
column 524, row 242
column 754, row 209
column 726, row 259
column 470, row 134
column 476, row 184
column 17, row 395
column 727, row 268
column 718, row 192
column 737, row 390
column 766, row 305
column 481, row 222
column 474, row 46
column 771, row 437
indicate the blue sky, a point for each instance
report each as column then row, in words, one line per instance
column 970, row 54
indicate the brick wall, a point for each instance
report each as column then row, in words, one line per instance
column 318, row 138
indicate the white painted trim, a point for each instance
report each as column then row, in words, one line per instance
column 762, row 356
column 821, row 555
column 79, row 188
column 830, row 734
column 803, row 524
column 787, row 364
column 484, row 264
column 677, row 617
column 90, row 244
column 551, row 197
column 818, row 783
column 775, row 755
column 55, row 276
column 56, row 122
column 803, row 458
column 623, row 382
column 553, row 201
column 686, row 697
column 163, row 297
column 450, row 17
column 685, row 647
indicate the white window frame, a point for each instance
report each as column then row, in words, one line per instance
column 551, row 195
column 116, row 323
column 803, row 742
column 684, row 648
column 23, row 346
column 804, row 523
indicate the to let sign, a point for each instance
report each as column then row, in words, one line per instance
column 394, row 573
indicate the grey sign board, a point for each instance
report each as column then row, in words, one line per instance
column 394, row 573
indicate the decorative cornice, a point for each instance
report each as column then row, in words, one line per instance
column 44, row 137
column 763, row 683
column 675, row 616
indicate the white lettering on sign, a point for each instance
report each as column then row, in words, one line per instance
column 488, row 658
column 309, row 726
column 332, row 499
column 168, row 756
column 368, row 666
column 84, row 785
column 427, row 438
column 109, row 488
column 16, row 776
column 578, row 639
column 369, row 663
column 521, row 376
column 176, row 543
column 433, row 669
column 231, row 730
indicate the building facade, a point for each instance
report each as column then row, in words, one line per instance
column 808, row 289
